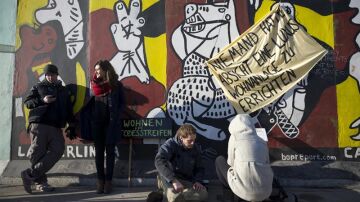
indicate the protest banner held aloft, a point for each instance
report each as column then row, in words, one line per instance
column 265, row 61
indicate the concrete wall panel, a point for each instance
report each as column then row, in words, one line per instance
column 7, row 67
column 158, row 47
column 7, row 22
column 7, row 47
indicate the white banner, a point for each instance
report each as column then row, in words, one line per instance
column 265, row 61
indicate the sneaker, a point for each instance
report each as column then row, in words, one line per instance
column 44, row 187
column 27, row 180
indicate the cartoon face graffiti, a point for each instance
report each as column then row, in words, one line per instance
column 206, row 29
column 195, row 98
column 43, row 39
column 200, row 24
column 36, row 44
column 69, row 15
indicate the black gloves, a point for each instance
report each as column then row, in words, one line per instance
column 70, row 132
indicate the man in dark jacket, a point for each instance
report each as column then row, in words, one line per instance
column 178, row 163
column 50, row 109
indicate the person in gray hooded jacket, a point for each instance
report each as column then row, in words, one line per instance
column 247, row 171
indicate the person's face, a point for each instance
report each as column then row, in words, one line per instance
column 52, row 78
column 99, row 72
column 188, row 142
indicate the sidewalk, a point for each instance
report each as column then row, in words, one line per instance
column 120, row 193
column 74, row 181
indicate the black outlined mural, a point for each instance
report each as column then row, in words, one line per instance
column 195, row 98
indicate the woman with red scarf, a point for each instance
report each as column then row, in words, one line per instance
column 101, row 121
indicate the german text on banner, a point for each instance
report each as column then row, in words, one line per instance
column 265, row 61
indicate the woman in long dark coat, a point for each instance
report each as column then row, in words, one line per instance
column 101, row 121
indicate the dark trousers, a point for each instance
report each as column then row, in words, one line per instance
column 47, row 147
column 101, row 146
column 222, row 167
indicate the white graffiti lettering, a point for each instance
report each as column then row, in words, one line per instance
column 352, row 153
column 307, row 157
column 71, row 151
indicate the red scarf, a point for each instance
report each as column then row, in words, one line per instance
column 100, row 87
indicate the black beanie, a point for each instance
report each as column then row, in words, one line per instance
column 51, row 69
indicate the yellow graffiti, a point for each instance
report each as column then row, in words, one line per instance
column 26, row 115
column 26, row 15
column 109, row 4
column 100, row 4
column 156, row 57
column 40, row 68
column 81, row 87
column 348, row 102
column 322, row 28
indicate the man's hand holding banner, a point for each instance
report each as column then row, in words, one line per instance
column 265, row 61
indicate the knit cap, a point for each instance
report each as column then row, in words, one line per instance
column 51, row 69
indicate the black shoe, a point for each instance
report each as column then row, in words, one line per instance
column 27, row 180
column 155, row 196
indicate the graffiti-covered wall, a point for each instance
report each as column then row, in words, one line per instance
column 158, row 49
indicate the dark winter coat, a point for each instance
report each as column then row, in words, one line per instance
column 173, row 160
column 54, row 114
column 115, row 108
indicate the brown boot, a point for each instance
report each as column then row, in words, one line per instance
column 100, row 186
column 107, row 187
